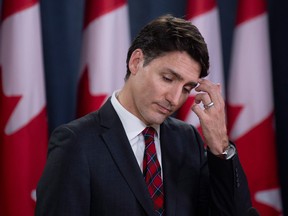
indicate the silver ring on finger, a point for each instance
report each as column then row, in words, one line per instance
column 207, row 106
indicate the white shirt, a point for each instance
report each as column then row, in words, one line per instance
column 133, row 128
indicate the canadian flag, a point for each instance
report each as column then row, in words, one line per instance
column 205, row 16
column 106, row 40
column 250, row 105
column 23, row 120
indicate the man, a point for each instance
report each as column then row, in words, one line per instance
column 100, row 164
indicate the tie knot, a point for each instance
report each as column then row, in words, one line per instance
column 148, row 132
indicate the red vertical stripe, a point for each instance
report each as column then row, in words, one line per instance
column 23, row 149
column 197, row 7
column 255, row 138
column 98, row 8
column 10, row 7
column 248, row 9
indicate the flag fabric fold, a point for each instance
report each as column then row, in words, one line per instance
column 23, row 119
column 250, row 105
column 106, row 40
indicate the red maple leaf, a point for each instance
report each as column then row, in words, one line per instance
column 86, row 101
column 257, row 152
column 185, row 109
column 233, row 113
column 7, row 105
column 22, row 158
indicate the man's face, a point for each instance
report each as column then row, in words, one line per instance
column 161, row 87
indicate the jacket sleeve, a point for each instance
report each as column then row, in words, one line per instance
column 64, row 186
column 225, row 183
column 229, row 187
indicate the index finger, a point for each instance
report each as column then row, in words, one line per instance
column 212, row 89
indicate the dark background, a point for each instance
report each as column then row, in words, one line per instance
column 62, row 29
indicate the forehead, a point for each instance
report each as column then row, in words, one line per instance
column 180, row 63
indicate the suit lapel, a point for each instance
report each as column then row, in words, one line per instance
column 121, row 151
column 170, row 161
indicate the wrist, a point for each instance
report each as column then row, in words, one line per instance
column 228, row 152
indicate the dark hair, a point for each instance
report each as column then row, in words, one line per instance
column 166, row 34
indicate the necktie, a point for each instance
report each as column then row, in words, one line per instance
column 152, row 171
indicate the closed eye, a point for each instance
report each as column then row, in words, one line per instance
column 167, row 79
column 187, row 90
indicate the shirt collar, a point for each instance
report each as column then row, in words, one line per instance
column 133, row 126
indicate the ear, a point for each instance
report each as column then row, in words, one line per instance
column 136, row 61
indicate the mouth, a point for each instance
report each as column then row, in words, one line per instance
column 164, row 109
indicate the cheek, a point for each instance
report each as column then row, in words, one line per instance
column 154, row 86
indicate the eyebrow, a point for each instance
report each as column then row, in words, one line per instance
column 192, row 84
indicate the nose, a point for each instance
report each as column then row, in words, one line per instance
column 174, row 96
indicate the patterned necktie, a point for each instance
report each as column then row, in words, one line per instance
column 152, row 171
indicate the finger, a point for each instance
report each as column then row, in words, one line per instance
column 203, row 84
column 207, row 86
column 197, row 110
column 202, row 97
column 219, row 87
column 213, row 90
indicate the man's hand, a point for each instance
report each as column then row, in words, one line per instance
column 212, row 117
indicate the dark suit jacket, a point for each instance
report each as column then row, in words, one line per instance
column 91, row 170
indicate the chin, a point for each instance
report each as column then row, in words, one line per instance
column 153, row 121
column 155, row 118
column 158, row 120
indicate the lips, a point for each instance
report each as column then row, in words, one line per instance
column 164, row 109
